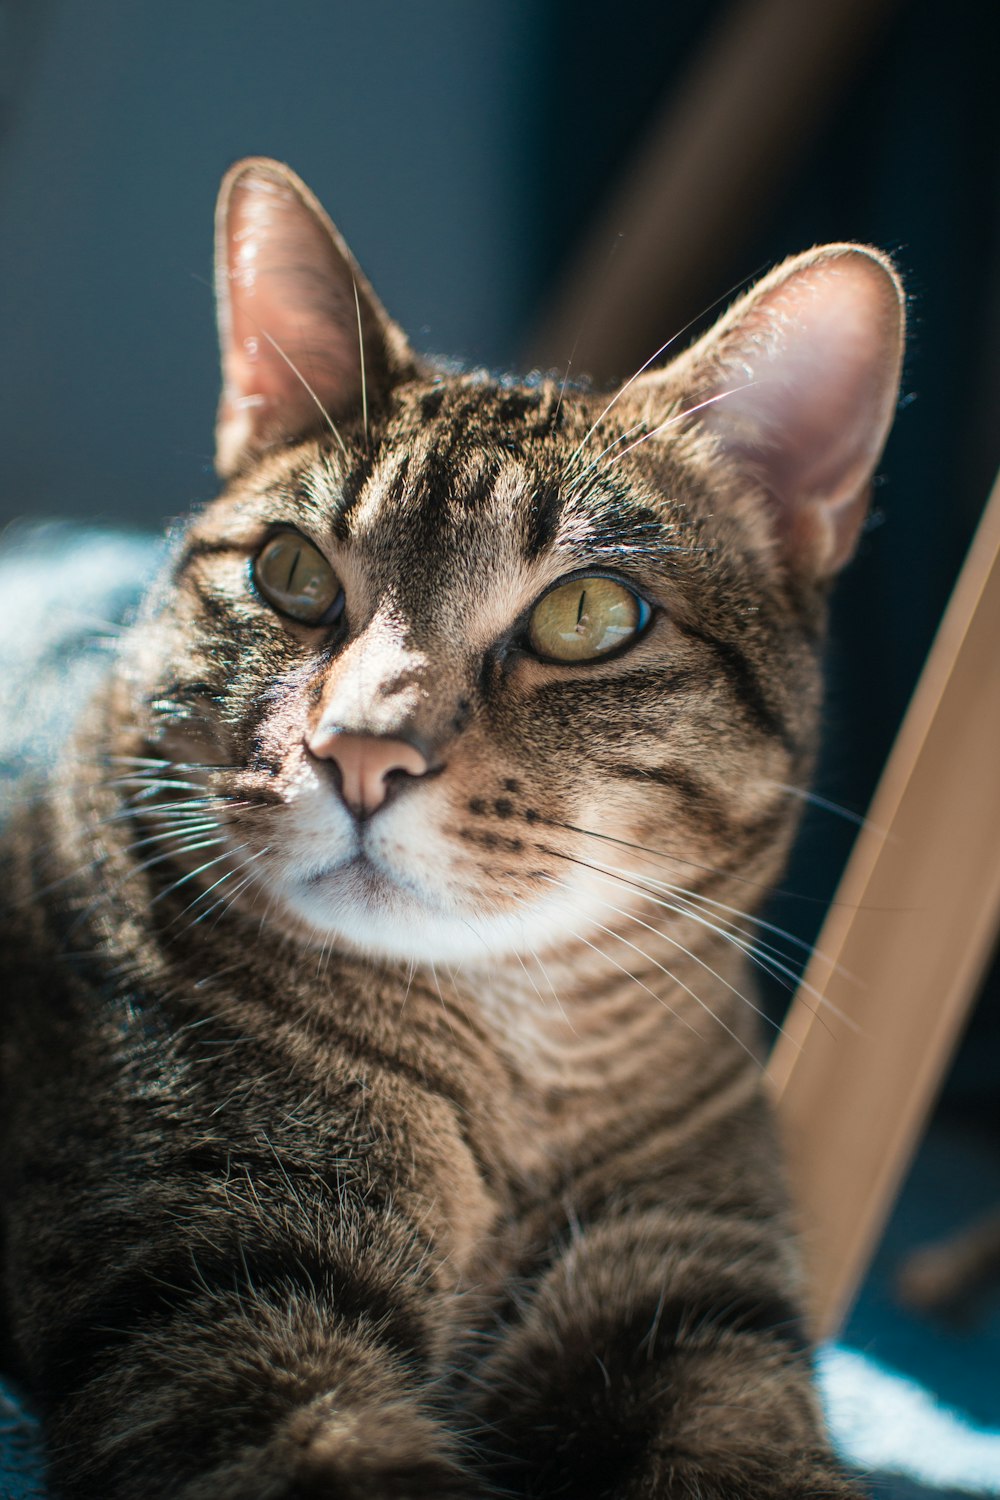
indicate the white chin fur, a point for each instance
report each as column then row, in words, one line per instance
column 378, row 917
column 382, row 905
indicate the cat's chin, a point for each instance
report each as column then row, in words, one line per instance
column 360, row 907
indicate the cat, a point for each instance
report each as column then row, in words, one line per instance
column 382, row 1111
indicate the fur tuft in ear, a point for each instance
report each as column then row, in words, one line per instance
column 798, row 383
column 304, row 340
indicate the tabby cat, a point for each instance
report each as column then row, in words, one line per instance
column 382, row 1111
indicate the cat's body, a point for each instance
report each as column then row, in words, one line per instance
column 382, row 1107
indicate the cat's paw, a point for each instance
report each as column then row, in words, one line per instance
column 327, row 1454
column 797, row 1476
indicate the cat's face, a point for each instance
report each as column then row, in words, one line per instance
column 457, row 660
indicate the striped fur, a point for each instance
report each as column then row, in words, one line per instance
column 455, row 1179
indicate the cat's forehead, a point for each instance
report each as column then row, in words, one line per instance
column 463, row 501
column 504, row 470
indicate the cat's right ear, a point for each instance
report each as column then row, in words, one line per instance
column 796, row 385
column 304, row 340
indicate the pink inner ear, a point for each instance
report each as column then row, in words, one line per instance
column 286, row 344
column 811, row 365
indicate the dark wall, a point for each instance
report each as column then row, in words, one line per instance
column 407, row 120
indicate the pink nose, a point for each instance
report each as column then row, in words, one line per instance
column 365, row 762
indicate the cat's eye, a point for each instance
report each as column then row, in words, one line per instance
column 585, row 619
column 297, row 580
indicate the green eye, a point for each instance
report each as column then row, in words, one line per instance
column 585, row 619
column 297, row 580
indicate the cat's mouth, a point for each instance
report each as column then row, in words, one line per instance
column 372, row 909
column 359, row 879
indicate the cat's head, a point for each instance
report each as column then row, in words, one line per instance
column 454, row 662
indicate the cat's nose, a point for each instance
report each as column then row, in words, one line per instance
column 365, row 763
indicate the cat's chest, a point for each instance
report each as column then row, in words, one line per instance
column 471, row 1095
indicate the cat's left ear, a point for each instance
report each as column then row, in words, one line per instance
column 798, row 384
column 303, row 337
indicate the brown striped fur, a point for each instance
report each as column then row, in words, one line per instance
column 448, row 1173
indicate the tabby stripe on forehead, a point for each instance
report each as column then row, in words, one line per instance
column 747, row 685
column 353, row 489
column 543, row 521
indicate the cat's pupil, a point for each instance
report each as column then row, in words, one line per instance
column 296, row 579
column 586, row 619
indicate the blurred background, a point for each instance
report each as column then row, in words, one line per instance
column 494, row 168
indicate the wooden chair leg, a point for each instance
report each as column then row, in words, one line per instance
column 904, row 948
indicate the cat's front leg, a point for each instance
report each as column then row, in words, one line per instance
column 227, row 1379
column 345, row 1424
column 659, row 1357
column 264, row 1314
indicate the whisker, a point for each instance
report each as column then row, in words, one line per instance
column 147, row 783
column 676, row 417
column 674, row 980
column 307, row 387
column 762, row 962
column 723, row 297
column 409, row 985
column 622, row 437
column 361, row 349
column 680, row 892
column 658, row 932
column 618, row 396
column 170, row 833
column 437, row 986
column 681, row 859
column 532, row 953
column 158, row 763
column 578, row 937
column 562, row 388
column 766, row 956
column 534, row 986
column 229, row 897
column 201, row 895
column 149, row 864
column 195, row 806
column 584, row 325
column 815, row 800
column 175, row 885
column 136, row 760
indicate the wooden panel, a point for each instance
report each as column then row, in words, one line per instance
column 915, row 920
